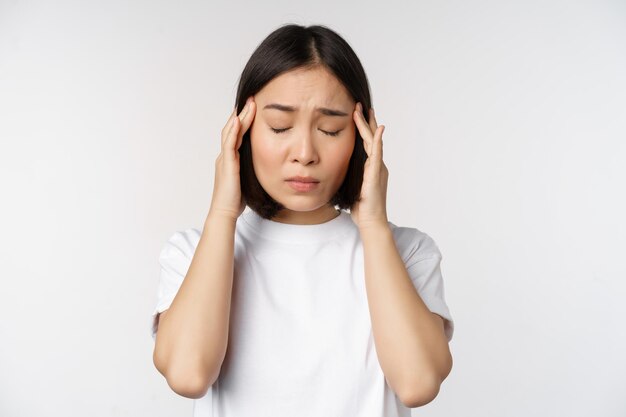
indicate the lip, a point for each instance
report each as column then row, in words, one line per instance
column 298, row 178
column 302, row 184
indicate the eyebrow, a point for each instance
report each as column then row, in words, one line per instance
column 324, row 110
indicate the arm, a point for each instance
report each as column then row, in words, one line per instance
column 192, row 338
column 410, row 342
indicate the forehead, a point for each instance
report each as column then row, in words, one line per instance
column 315, row 86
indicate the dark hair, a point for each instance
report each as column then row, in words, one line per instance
column 287, row 48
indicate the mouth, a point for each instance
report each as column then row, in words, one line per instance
column 303, row 184
column 300, row 179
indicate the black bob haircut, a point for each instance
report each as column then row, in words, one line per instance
column 293, row 47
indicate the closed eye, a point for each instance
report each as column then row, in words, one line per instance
column 331, row 133
column 335, row 133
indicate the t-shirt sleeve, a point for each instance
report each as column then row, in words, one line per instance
column 422, row 259
column 174, row 260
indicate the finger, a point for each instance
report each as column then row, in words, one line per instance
column 378, row 142
column 372, row 122
column 237, row 132
column 234, row 116
column 246, row 120
column 247, row 113
column 376, row 154
column 227, row 145
column 364, row 129
column 228, row 126
column 244, row 110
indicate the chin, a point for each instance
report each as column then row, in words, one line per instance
column 300, row 202
column 302, row 205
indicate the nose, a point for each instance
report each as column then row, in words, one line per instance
column 304, row 148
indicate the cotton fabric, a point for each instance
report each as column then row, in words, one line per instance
column 301, row 340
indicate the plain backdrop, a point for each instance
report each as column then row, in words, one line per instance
column 505, row 141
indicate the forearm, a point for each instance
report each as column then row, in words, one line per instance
column 192, row 339
column 411, row 346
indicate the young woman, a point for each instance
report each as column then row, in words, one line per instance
column 298, row 307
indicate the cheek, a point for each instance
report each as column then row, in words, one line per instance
column 348, row 149
column 263, row 154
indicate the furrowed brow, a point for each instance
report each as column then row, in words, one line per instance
column 324, row 110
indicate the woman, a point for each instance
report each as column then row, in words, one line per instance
column 298, row 307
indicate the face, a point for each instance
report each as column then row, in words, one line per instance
column 303, row 127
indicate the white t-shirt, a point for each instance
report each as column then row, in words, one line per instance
column 300, row 338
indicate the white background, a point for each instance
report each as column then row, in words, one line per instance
column 505, row 140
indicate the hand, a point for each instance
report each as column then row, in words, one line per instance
column 371, row 208
column 227, row 200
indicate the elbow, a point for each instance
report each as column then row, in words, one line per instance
column 194, row 387
column 158, row 360
column 186, row 384
column 421, row 393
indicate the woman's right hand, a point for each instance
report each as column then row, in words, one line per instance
column 227, row 200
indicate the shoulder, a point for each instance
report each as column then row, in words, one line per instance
column 413, row 244
column 181, row 242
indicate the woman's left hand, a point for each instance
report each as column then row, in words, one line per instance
column 371, row 209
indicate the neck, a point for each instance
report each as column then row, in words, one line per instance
column 317, row 216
